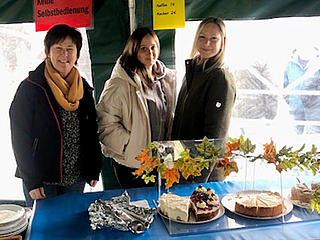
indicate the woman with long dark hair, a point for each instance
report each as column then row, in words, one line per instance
column 136, row 105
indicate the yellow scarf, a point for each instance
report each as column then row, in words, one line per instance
column 67, row 91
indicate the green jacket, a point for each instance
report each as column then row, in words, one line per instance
column 205, row 102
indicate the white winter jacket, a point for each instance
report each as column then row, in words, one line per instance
column 123, row 116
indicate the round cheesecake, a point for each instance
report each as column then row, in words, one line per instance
column 262, row 204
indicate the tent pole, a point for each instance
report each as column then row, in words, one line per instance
column 132, row 8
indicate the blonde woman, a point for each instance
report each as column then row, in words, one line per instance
column 136, row 105
column 208, row 90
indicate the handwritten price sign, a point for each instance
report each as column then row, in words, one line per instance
column 168, row 14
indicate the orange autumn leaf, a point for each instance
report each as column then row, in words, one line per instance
column 222, row 163
column 227, row 154
column 270, row 152
column 231, row 147
column 155, row 163
column 196, row 172
column 279, row 168
column 139, row 171
column 171, row 175
column 148, row 162
column 144, row 155
column 227, row 166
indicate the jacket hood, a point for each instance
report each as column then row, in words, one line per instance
column 118, row 71
column 159, row 69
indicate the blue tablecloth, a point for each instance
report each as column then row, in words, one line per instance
column 66, row 217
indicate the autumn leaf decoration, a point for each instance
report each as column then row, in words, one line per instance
column 148, row 163
column 155, row 159
column 284, row 160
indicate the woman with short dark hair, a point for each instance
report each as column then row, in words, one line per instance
column 53, row 122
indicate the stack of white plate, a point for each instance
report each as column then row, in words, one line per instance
column 13, row 220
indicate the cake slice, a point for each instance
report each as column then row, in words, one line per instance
column 174, row 206
column 302, row 193
column 204, row 203
column 315, row 186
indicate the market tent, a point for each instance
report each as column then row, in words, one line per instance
column 112, row 24
column 112, row 29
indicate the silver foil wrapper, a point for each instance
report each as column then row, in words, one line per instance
column 119, row 214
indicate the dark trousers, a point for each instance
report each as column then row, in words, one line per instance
column 125, row 177
column 55, row 190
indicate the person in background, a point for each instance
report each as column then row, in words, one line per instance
column 53, row 122
column 302, row 73
column 208, row 91
column 136, row 105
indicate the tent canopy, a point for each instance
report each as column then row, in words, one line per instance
column 112, row 25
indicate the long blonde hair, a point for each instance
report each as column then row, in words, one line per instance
column 220, row 56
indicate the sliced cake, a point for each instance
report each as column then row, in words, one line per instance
column 204, row 203
column 264, row 204
column 174, row 206
column 302, row 193
column 315, row 186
